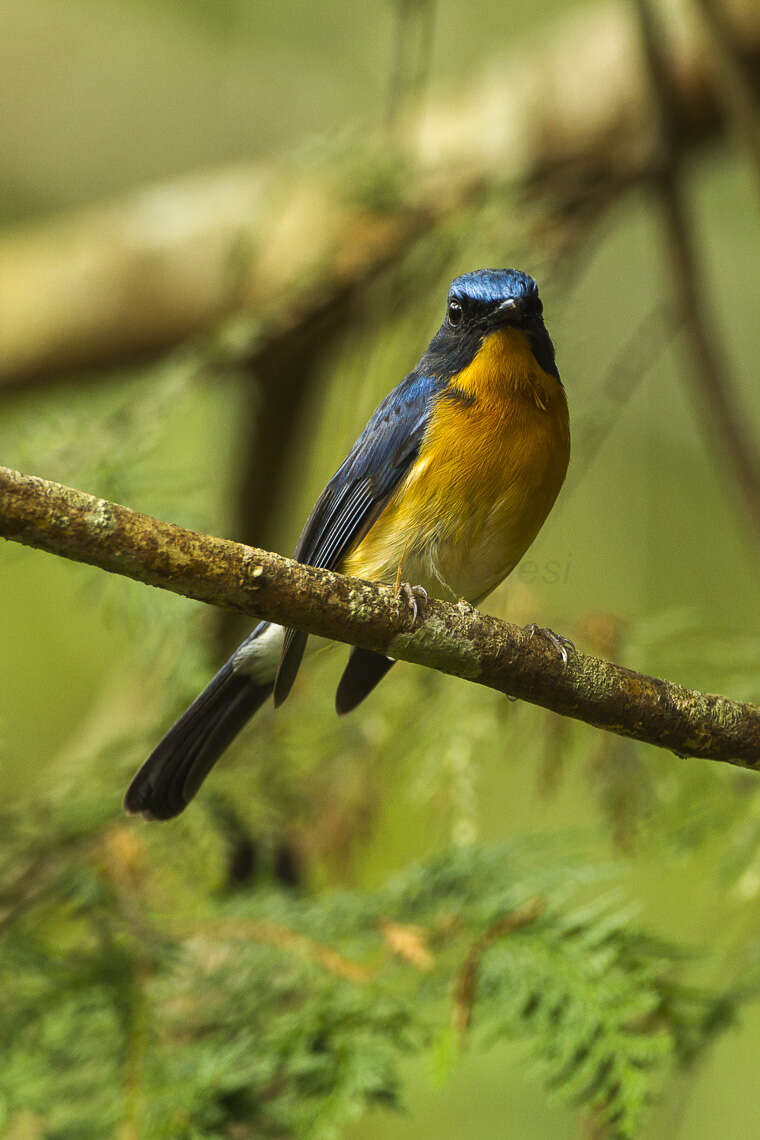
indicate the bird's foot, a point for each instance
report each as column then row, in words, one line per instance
column 561, row 644
column 416, row 597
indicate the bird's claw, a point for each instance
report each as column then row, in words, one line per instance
column 416, row 597
column 561, row 644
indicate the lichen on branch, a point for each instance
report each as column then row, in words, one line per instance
column 455, row 639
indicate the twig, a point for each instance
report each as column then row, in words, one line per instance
column 414, row 25
column 35, row 881
column 737, row 83
column 284, row 368
column 410, row 943
column 279, row 380
column 467, row 978
column 629, row 367
column 274, row 934
column 455, row 639
column 711, row 372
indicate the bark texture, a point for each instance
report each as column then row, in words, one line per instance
column 455, row 639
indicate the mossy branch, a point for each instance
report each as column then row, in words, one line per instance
column 455, row 639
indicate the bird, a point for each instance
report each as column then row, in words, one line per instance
column 450, row 481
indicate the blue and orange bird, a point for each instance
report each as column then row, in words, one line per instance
column 451, row 478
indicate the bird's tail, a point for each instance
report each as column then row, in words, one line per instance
column 178, row 765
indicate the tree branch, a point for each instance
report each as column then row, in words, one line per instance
column 736, row 82
column 711, row 373
column 455, row 639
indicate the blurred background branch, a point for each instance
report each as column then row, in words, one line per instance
column 737, row 82
column 711, row 370
column 277, row 241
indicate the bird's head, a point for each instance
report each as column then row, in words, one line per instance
column 492, row 298
column 481, row 302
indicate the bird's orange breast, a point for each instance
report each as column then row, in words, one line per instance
column 490, row 466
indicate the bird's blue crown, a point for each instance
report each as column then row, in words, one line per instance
column 493, row 285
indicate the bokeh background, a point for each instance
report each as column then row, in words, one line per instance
column 650, row 556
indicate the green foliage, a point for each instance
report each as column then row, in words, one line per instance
column 137, row 992
column 278, row 1015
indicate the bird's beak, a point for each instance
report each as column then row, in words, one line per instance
column 506, row 313
column 517, row 311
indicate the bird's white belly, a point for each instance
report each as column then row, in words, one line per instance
column 258, row 657
column 451, row 569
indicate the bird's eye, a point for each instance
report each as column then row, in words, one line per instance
column 455, row 312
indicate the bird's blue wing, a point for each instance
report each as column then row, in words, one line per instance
column 358, row 492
